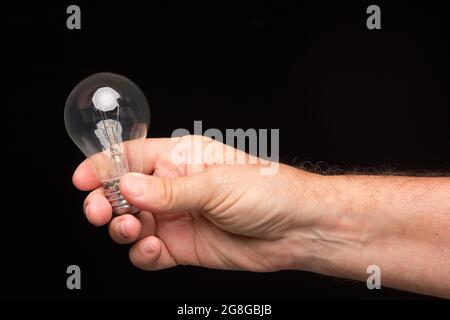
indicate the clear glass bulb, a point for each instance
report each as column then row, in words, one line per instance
column 107, row 116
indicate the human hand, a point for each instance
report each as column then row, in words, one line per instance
column 221, row 213
column 215, row 213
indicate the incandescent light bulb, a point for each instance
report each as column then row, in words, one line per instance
column 107, row 116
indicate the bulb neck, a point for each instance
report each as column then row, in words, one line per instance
column 119, row 204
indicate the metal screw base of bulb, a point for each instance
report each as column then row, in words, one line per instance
column 119, row 204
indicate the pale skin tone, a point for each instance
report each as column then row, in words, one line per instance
column 224, row 215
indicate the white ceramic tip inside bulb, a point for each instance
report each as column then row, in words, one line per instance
column 105, row 99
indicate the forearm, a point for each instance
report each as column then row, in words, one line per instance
column 401, row 224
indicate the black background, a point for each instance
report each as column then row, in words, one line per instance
column 338, row 92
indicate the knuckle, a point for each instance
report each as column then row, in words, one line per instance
column 213, row 179
column 164, row 193
column 206, row 139
column 190, row 140
column 216, row 174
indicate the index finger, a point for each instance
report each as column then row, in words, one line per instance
column 85, row 177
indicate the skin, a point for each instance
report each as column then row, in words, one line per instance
column 218, row 213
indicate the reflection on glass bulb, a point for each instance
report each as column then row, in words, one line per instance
column 107, row 116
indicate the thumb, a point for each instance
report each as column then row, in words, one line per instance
column 162, row 194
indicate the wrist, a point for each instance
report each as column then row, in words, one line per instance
column 330, row 231
column 389, row 222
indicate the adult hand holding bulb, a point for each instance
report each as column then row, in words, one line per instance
column 107, row 116
column 220, row 214
column 207, row 215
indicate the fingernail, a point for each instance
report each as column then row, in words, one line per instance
column 123, row 227
column 148, row 245
column 134, row 185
